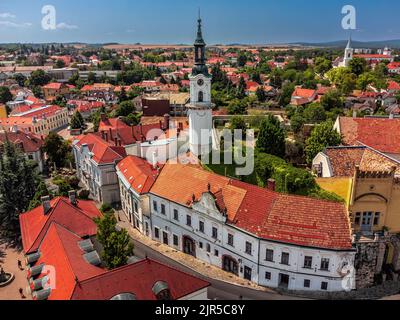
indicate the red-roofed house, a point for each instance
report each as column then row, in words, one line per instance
column 382, row 134
column 96, row 159
column 302, row 96
column 394, row 67
column 275, row 240
column 27, row 143
column 54, row 89
column 63, row 263
column 116, row 130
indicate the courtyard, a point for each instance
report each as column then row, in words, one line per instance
column 9, row 262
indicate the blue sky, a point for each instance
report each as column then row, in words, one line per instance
column 173, row 21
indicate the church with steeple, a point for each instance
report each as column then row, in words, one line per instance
column 348, row 54
column 200, row 106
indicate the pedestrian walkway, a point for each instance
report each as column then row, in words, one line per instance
column 9, row 261
column 188, row 261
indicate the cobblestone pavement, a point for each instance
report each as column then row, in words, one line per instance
column 200, row 267
column 9, row 261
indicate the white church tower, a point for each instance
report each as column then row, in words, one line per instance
column 200, row 107
column 348, row 54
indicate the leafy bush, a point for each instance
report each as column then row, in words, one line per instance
column 106, row 208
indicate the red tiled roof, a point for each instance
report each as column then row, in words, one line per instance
column 30, row 142
column 393, row 85
column 373, row 56
column 304, row 93
column 294, row 219
column 53, row 85
column 78, row 219
column 143, row 130
column 60, row 250
column 269, row 215
column 344, row 160
column 138, row 279
column 119, row 129
column 103, row 152
column 380, row 134
column 138, row 173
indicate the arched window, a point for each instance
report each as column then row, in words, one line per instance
column 201, row 96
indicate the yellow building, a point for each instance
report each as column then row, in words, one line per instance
column 3, row 111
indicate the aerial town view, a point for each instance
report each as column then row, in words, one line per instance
column 199, row 150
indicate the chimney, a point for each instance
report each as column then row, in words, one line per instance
column 103, row 135
column 116, row 141
column 354, row 114
column 103, row 117
column 166, row 121
column 106, row 136
column 271, row 184
column 72, row 197
column 154, row 160
column 391, row 116
column 111, row 135
column 46, row 204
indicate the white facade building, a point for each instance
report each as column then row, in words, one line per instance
column 225, row 225
column 96, row 162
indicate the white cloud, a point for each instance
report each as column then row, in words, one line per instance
column 131, row 31
column 10, row 24
column 7, row 15
column 65, row 26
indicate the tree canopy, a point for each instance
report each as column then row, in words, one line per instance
column 271, row 138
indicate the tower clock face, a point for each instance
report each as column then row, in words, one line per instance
column 200, row 82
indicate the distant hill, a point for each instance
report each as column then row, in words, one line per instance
column 356, row 44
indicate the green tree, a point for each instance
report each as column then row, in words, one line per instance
column 77, row 121
column 41, row 191
column 322, row 65
column 124, row 109
column 60, row 64
column 117, row 246
column 314, row 113
column 343, row 79
column 18, row 182
column 56, row 149
column 323, row 135
column 237, row 107
column 241, row 89
column 286, row 94
column 358, row 65
column 260, row 93
column 38, row 78
column 271, row 138
column 331, row 100
column 5, row 95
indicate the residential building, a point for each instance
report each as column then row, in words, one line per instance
column 96, row 159
column 52, row 90
column 29, row 144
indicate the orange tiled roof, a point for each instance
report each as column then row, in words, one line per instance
column 267, row 214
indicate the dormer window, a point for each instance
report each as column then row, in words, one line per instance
column 161, row 291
